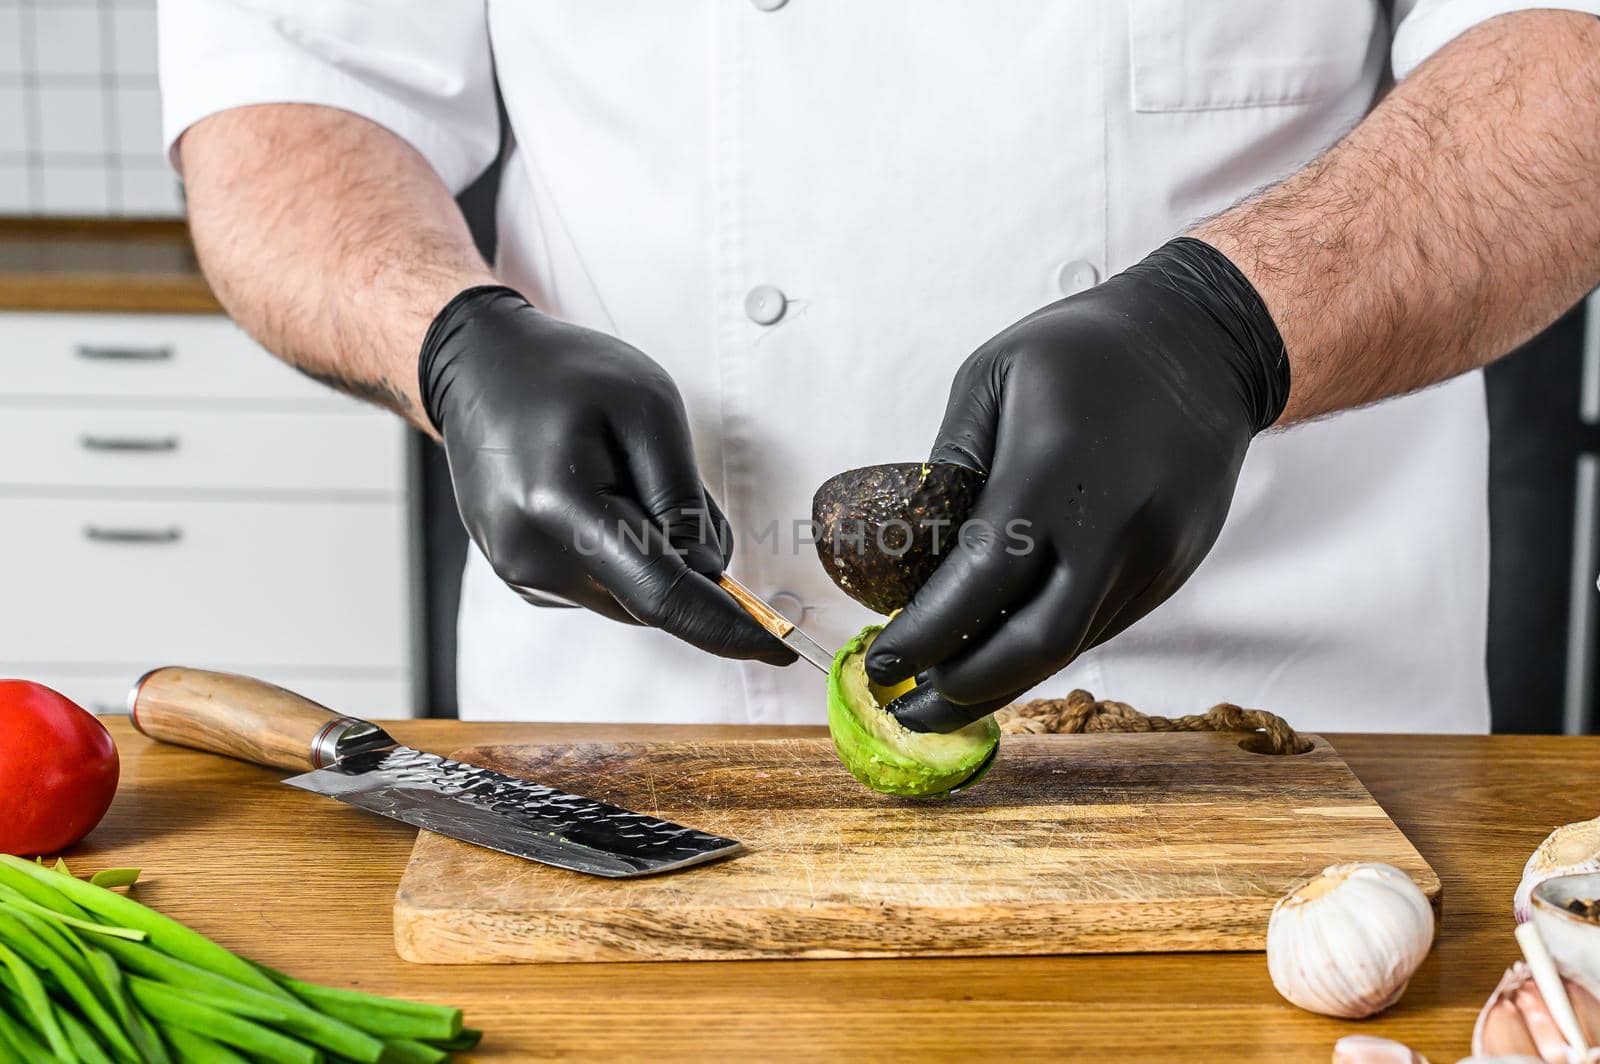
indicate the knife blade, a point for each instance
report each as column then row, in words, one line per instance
column 358, row 763
column 776, row 623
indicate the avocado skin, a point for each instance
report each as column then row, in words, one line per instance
column 862, row 519
column 882, row 753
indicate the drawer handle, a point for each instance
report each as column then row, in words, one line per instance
column 119, row 353
column 103, row 534
column 143, row 444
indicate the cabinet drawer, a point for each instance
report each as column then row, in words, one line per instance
column 152, row 447
column 307, row 584
column 119, row 356
column 105, row 690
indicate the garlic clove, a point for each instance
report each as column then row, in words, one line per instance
column 1501, row 1031
column 1516, row 1022
column 1369, row 1049
column 1547, row 1037
column 1587, row 1007
column 1346, row 942
column 1568, row 850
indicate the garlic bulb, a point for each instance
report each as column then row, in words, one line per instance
column 1368, row 1049
column 1346, row 942
column 1566, row 851
column 1515, row 1022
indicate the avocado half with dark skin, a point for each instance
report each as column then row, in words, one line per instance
column 885, row 755
column 882, row 530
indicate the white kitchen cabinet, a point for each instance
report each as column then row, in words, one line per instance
column 171, row 494
column 198, row 358
column 154, row 448
column 170, row 581
column 106, row 690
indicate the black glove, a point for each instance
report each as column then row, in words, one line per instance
column 570, row 456
column 1111, row 426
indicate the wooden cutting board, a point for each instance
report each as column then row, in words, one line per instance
column 1071, row 844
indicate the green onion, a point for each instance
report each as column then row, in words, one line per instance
column 389, row 1017
column 115, row 877
column 37, row 890
column 93, row 967
column 109, row 977
column 17, row 1037
column 172, row 1009
column 21, row 932
column 408, row 1051
column 164, row 933
column 22, row 924
column 198, row 1049
column 88, row 975
column 18, row 901
column 149, row 1036
column 344, row 1039
column 37, row 1002
column 83, row 1041
column 467, row 1039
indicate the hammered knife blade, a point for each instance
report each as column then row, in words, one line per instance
column 356, row 762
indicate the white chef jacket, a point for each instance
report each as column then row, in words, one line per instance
column 901, row 180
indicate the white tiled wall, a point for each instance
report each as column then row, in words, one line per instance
column 80, row 113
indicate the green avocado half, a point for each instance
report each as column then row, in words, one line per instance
column 884, row 754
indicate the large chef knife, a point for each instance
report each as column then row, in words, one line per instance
column 357, row 762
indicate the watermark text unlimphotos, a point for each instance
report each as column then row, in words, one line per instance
column 893, row 538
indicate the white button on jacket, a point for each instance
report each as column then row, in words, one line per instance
column 913, row 175
column 1076, row 276
column 764, row 304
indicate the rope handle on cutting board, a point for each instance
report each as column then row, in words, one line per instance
column 1080, row 711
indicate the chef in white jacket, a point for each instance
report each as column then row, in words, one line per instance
column 746, row 244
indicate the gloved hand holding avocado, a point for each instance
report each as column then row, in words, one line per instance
column 1107, row 431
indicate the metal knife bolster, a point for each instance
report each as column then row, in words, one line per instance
column 345, row 737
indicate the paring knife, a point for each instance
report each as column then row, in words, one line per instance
column 358, row 763
column 776, row 623
column 912, row 702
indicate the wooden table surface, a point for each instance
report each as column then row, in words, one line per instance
column 306, row 884
column 100, row 264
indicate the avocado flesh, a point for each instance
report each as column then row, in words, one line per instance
column 880, row 751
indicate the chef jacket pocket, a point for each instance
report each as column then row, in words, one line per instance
column 1205, row 55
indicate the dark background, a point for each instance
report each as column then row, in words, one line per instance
column 1543, row 546
column 1542, row 563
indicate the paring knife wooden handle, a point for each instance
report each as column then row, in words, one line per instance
column 776, row 623
column 236, row 716
column 765, row 615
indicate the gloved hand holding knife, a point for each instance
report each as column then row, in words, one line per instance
column 1111, row 427
column 570, row 455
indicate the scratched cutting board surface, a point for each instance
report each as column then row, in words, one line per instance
column 1071, row 844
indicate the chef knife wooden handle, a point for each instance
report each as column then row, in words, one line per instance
column 765, row 615
column 236, row 716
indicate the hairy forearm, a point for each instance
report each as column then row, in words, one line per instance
column 1458, row 219
column 329, row 239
